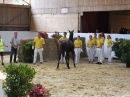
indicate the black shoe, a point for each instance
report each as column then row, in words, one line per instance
column 41, row 62
column 15, row 62
column 97, row 62
column 3, row 64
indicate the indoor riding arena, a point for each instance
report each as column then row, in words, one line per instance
column 100, row 72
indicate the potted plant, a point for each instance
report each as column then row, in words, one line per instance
column 116, row 48
column 28, row 52
column 18, row 80
column 39, row 91
column 125, row 50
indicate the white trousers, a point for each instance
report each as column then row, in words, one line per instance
column 35, row 54
column 77, row 54
column 94, row 51
column 90, row 54
column 99, row 54
column 109, row 50
column 102, row 53
column 62, row 59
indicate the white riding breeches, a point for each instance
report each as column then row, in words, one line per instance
column 99, row 54
column 109, row 50
column 94, row 51
column 90, row 54
column 77, row 54
column 40, row 50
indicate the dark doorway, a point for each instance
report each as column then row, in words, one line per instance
column 95, row 20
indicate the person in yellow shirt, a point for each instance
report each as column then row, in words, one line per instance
column 99, row 49
column 59, row 41
column 94, row 38
column 109, row 48
column 90, row 45
column 78, row 48
column 103, row 39
column 38, row 43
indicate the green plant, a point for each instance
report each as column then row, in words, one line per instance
column 19, row 80
column 116, row 47
column 56, row 35
column 28, row 52
column 125, row 50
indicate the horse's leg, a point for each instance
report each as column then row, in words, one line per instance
column 73, row 58
column 59, row 60
column 67, row 61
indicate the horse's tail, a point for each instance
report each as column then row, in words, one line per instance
column 62, row 49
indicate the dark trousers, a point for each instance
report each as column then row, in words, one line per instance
column 13, row 51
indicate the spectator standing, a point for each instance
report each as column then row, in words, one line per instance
column 78, row 48
column 38, row 44
column 14, row 47
column 90, row 49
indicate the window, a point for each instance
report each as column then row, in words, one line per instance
column 21, row 2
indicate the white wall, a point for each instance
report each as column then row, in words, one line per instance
column 6, row 36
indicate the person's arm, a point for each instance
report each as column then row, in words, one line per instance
column 5, row 45
column 11, row 42
column 33, row 44
column 81, row 45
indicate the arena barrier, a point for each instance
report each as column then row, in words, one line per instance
column 6, row 36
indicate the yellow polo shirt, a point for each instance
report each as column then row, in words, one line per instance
column 109, row 42
column 63, row 38
column 90, row 43
column 39, row 42
column 103, row 40
column 94, row 40
column 77, row 43
column 99, row 42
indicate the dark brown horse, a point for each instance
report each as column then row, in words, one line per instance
column 66, row 47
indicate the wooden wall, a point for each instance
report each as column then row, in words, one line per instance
column 53, row 7
column 14, row 17
column 119, row 19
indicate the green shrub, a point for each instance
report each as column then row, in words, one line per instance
column 116, row 47
column 19, row 80
column 125, row 50
column 28, row 52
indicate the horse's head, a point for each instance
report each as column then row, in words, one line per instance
column 71, row 32
column 71, row 35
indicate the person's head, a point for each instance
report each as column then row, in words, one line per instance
column 108, row 37
column 95, row 34
column 112, row 31
column 97, row 31
column 90, row 37
column 65, row 33
column 78, row 37
column 39, row 35
column 15, row 34
column 100, row 36
column 128, row 32
column 103, row 35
